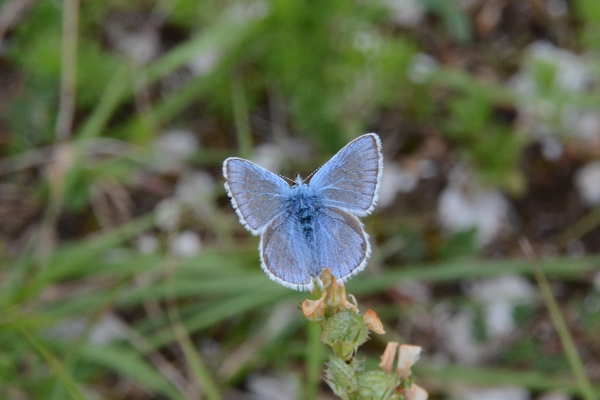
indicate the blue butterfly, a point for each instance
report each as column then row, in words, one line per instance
column 306, row 228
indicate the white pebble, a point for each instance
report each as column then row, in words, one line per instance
column 147, row 244
column 205, row 62
column 139, row 45
column 587, row 180
column 407, row 13
column 108, row 329
column 268, row 156
column 421, row 67
column 500, row 296
column 495, row 393
column 457, row 336
column 177, row 143
column 268, row 387
column 195, row 187
column 186, row 245
column 168, row 214
column 395, row 180
column 462, row 208
column 596, row 281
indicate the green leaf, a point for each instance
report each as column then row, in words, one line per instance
column 340, row 377
column 129, row 363
column 376, row 385
column 344, row 332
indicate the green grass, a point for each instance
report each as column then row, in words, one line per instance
column 304, row 70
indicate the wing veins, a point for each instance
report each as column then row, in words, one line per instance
column 341, row 220
column 346, row 180
column 268, row 219
column 246, row 202
column 270, row 194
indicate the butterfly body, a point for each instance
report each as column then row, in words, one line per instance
column 308, row 227
column 304, row 205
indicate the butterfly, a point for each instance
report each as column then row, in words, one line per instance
column 307, row 227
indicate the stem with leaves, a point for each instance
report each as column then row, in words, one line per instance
column 344, row 330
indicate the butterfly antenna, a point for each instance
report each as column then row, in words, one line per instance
column 286, row 178
column 311, row 174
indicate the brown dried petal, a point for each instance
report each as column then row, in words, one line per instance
column 407, row 356
column 314, row 308
column 326, row 277
column 373, row 322
column 387, row 358
column 416, row 392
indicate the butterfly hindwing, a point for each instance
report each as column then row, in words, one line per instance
column 342, row 244
column 351, row 179
column 257, row 195
column 285, row 255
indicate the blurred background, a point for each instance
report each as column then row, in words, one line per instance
column 125, row 274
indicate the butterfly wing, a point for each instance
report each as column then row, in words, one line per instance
column 341, row 242
column 351, row 179
column 285, row 254
column 257, row 195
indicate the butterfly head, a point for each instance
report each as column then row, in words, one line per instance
column 298, row 181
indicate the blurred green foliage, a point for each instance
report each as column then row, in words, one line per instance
column 336, row 69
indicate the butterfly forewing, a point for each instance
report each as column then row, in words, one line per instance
column 351, row 179
column 257, row 195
